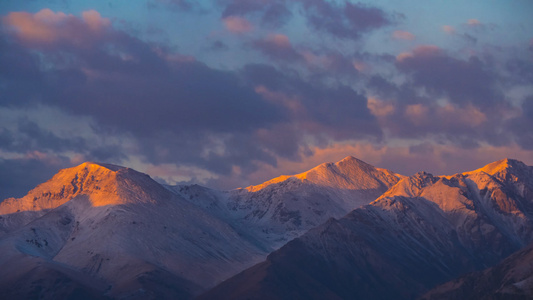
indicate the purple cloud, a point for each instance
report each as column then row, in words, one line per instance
column 146, row 102
column 344, row 21
column 270, row 13
column 173, row 108
column 277, row 46
column 463, row 81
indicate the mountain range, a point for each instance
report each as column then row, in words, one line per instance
column 422, row 232
column 344, row 230
column 100, row 229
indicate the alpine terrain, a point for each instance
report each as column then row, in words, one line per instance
column 104, row 231
column 511, row 279
column 422, row 232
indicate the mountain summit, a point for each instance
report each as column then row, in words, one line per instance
column 423, row 231
column 504, row 165
column 339, row 230
column 102, row 229
column 288, row 206
column 103, row 184
column 105, row 224
column 350, row 174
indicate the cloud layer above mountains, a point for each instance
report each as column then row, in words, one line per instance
column 232, row 92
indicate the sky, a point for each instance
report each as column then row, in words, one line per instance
column 230, row 93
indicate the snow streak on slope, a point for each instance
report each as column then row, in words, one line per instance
column 425, row 230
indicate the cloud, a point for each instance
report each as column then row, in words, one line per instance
column 403, row 35
column 111, row 96
column 336, row 112
column 478, row 26
column 218, row 46
column 270, row 13
column 462, row 81
column 277, row 46
column 448, row 29
column 520, row 70
column 522, row 124
column 380, row 108
column 319, row 62
column 347, row 20
column 160, row 107
column 237, row 24
column 419, row 51
column 445, row 99
column 113, row 80
column 130, row 88
column 44, row 131
column 46, row 27
column 94, row 20
column 469, row 38
column 473, row 22
column 18, row 176
column 181, row 5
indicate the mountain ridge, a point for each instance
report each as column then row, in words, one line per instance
column 83, row 179
column 102, row 220
column 423, row 231
column 345, row 167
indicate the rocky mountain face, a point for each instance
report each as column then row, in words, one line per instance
column 423, row 231
column 99, row 230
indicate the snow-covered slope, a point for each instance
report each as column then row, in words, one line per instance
column 119, row 226
column 424, row 231
column 108, row 230
column 287, row 206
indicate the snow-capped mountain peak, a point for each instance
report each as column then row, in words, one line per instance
column 104, row 184
column 504, row 165
column 423, row 231
column 350, row 173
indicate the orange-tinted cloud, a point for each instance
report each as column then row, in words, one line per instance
column 423, row 50
column 236, row 24
column 426, row 50
column 417, row 114
column 360, row 66
column 94, row 20
column 280, row 40
column 403, row 56
column 473, row 22
column 403, row 35
column 448, row 29
column 278, row 46
column 380, row 108
column 469, row 116
column 316, row 60
column 47, row 27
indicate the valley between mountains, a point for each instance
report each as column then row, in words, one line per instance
column 344, row 230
